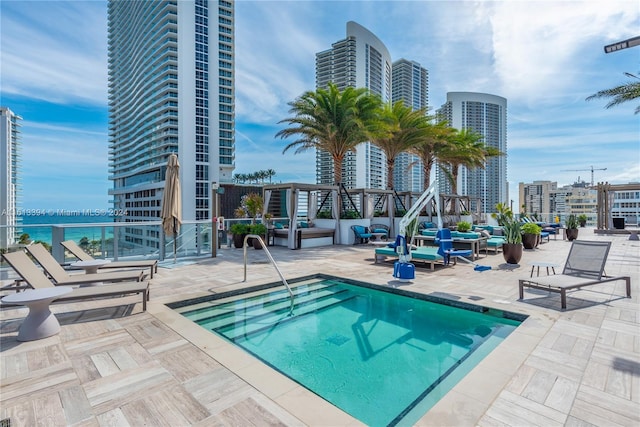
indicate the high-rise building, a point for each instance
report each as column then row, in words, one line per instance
column 360, row 60
column 10, row 175
column 171, row 90
column 535, row 198
column 410, row 84
column 487, row 115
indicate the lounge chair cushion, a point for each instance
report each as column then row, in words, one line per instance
column 464, row 235
column 278, row 226
column 423, row 252
column 495, row 241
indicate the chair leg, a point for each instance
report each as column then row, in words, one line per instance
column 521, row 286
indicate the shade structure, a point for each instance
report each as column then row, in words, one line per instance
column 172, row 202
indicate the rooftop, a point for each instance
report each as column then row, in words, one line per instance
column 113, row 364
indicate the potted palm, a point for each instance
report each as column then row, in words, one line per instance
column 572, row 227
column 582, row 220
column 512, row 247
column 531, row 235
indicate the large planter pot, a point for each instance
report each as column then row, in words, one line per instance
column 257, row 244
column 238, row 240
column 530, row 241
column 572, row 234
column 512, row 252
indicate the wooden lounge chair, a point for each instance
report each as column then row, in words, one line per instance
column 584, row 267
column 61, row 277
column 79, row 253
column 31, row 274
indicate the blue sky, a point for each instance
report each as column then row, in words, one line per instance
column 545, row 57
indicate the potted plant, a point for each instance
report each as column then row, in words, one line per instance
column 260, row 230
column 530, row 235
column 253, row 203
column 572, row 227
column 239, row 230
column 512, row 247
column 582, row 220
column 466, row 217
column 463, row 226
column 503, row 214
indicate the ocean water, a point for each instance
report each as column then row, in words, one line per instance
column 39, row 227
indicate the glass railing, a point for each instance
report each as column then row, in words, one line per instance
column 116, row 240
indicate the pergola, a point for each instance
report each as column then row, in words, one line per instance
column 605, row 202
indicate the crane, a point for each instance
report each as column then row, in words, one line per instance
column 591, row 169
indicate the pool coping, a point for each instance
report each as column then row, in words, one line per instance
column 465, row 403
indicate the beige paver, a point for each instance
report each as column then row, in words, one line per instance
column 115, row 365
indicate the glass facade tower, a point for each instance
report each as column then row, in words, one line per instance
column 410, row 84
column 361, row 60
column 485, row 114
column 10, row 175
column 171, row 90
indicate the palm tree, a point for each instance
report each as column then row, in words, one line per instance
column 620, row 94
column 435, row 139
column 270, row 174
column 465, row 149
column 399, row 127
column 332, row 121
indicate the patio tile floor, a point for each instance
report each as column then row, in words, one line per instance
column 114, row 365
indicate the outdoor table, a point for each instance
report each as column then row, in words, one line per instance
column 377, row 236
column 40, row 322
column 90, row 266
column 548, row 265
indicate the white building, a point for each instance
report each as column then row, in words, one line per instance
column 626, row 204
column 485, row 114
column 410, row 84
column 171, row 90
column 535, row 199
column 360, row 60
column 10, row 175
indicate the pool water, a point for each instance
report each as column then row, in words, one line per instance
column 382, row 355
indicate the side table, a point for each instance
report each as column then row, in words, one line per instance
column 40, row 322
column 90, row 266
column 548, row 265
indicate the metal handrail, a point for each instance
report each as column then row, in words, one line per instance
column 266, row 251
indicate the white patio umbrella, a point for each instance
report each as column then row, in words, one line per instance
column 172, row 202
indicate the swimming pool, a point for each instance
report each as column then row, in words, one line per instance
column 383, row 355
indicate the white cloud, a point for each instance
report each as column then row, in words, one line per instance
column 543, row 48
column 545, row 57
column 55, row 51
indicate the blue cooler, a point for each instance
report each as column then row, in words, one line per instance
column 404, row 271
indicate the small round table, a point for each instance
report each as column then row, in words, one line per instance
column 91, row 266
column 40, row 322
column 377, row 236
column 538, row 264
